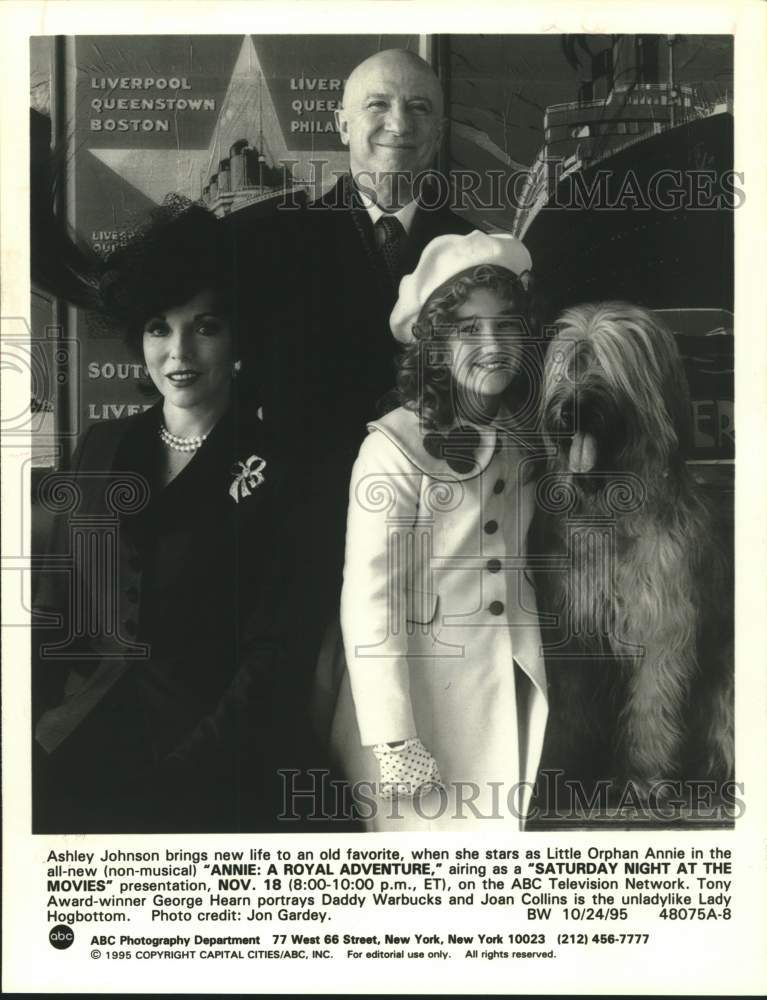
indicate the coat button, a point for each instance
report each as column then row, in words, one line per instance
column 499, row 487
column 491, row 527
column 493, row 565
column 496, row 608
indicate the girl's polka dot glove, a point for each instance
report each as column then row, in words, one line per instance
column 406, row 769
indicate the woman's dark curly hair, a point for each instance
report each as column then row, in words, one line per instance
column 180, row 251
column 177, row 252
column 424, row 380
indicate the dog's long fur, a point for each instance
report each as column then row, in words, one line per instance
column 641, row 672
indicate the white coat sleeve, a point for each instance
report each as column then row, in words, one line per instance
column 383, row 507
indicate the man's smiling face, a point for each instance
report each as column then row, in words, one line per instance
column 392, row 116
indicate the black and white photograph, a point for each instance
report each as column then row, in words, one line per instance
column 374, row 442
column 458, row 397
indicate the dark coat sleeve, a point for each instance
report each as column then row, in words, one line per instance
column 53, row 579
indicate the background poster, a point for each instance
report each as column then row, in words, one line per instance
column 141, row 117
column 504, row 99
column 238, row 120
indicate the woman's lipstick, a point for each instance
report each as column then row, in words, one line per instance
column 182, row 378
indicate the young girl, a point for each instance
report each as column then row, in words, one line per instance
column 443, row 706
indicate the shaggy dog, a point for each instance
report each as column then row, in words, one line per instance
column 632, row 569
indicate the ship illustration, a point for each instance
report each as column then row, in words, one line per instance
column 245, row 178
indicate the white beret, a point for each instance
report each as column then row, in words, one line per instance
column 444, row 257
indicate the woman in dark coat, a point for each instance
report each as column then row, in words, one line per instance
column 173, row 706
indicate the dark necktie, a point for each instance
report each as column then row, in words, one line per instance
column 390, row 238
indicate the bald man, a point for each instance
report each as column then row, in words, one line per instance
column 335, row 266
column 328, row 365
column 368, row 231
column 392, row 120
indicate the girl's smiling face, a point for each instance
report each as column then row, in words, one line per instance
column 189, row 353
column 486, row 345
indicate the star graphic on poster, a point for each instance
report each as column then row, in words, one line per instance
column 156, row 172
column 247, row 111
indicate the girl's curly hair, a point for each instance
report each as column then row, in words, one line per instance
column 424, row 379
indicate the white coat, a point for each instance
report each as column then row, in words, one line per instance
column 435, row 611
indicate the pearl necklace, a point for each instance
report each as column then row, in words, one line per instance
column 179, row 443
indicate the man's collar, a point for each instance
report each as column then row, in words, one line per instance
column 405, row 215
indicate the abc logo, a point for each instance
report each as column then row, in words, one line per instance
column 61, row 936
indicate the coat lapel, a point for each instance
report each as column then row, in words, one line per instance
column 347, row 224
column 234, row 452
column 347, row 209
column 439, row 455
column 111, row 451
column 427, row 225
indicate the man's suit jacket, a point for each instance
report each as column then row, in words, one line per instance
column 327, row 363
column 343, row 306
